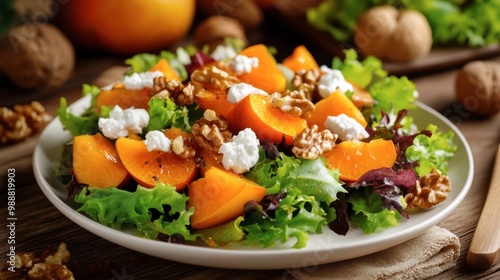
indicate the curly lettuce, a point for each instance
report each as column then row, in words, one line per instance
column 311, row 177
column 368, row 213
column 86, row 123
column 164, row 113
column 297, row 216
column 118, row 208
column 432, row 152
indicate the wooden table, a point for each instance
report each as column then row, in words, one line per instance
column 40, row 224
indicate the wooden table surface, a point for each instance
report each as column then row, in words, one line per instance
column 40, row 224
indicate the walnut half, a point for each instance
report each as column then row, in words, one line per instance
column 310, row 143
column 211, row 131
column 294, row 103
column 430, row 190
column 46, row 265
column 181, row 94
column 22, row 121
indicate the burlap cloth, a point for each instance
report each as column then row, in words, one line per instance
column 424, row 256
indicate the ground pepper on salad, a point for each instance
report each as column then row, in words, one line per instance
column 230, row 146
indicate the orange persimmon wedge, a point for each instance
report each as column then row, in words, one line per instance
column 269, row 123
column 125, row 98
column 355, row 158
column 149, row 168
column 213, row 99
column 208, row 159
column 333, row 105
column 96, row 162
column 361, row 98
column 220, row 196
column 267, row 76
column 300, row 59
column 168, row 72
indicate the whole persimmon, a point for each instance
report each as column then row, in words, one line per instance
column 126, row 27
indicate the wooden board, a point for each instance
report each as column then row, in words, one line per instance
column 292, row 14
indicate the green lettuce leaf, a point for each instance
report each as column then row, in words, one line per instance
column 434, row 151
column 393, row 94
column 144, row 61
column 86, row 123
column 311, row 177
column 118, row 208
column 297, row 216
column 270, row 173
column 367, row 212
column 222, row 234
column 141, row 62
column 164, row 113
column 362, row 73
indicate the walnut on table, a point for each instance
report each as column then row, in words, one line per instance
column 310, row 143
column 22, row 121
column 211, row 131
column 430, row 190
column 47, row 265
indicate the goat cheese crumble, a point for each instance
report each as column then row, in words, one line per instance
column 347, row 128
column 141, row 80
column 239, row 91
column 242, row 152
column 122, row 122
column 242, row 64
column 222, row 52
column 157, row 141
column 332, row 80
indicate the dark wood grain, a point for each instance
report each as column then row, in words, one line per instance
column 40, row 224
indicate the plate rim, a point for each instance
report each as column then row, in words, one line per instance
column 242, row 259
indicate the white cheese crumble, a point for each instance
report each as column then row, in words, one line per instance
column 222, row 52
column 332, row 80
column 122, row 122
column 243, row 64
column 238, row 92
column 347, row 128
column 183, row 56
column 141, row 80
column 157, row 141
column 242, row 152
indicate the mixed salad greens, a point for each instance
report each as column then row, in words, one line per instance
column 453, row 22
column 302, row 195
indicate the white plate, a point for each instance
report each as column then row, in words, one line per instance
column 323, row 248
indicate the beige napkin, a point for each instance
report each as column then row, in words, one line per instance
column 434, row 251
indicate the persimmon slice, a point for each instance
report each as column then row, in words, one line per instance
column 355, row 158
column 96, row 162
column 149, row 168
column 269, row 123
column 220, row 197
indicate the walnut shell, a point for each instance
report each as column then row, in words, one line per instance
column 248, row 13
column 391, row 34
column 477, row 87
column 35, row 56
column 214, row 29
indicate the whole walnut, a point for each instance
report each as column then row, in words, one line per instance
column 213, row 30
column 392, row 34
column 477, row 87
column 247, row 12
column 35, row 56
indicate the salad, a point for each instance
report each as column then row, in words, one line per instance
column 229, row 145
